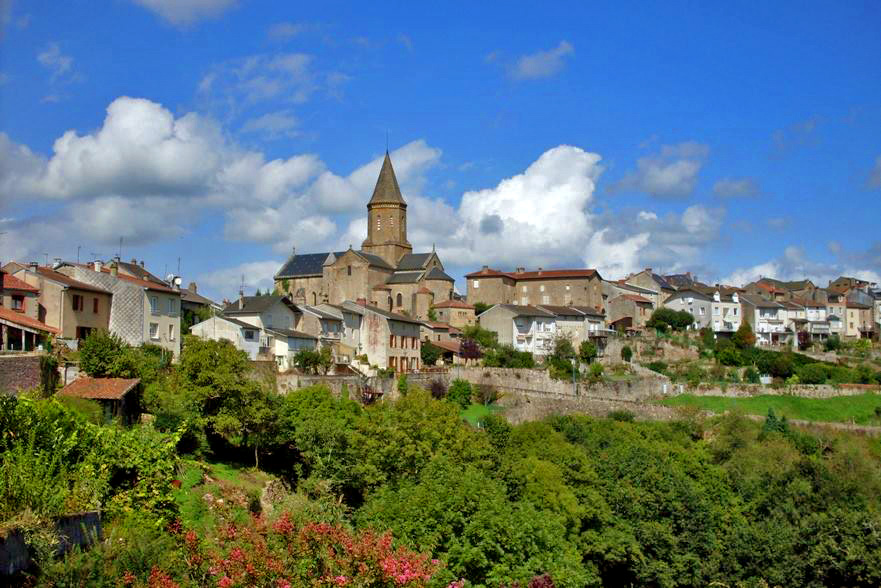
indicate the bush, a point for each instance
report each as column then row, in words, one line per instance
column 486, row 394
column 508, row 357
column 833, row 343
column 814, row 373
column 622, row 416
column 587, row 351
column 626, row 353
column 429, row 353
column 596, row 371
column 657, row 366
column 460, row 392
column 438, row 389
column 751, row 375
column 729, row 356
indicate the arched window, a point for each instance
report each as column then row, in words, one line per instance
column 349, row 270
column 378, row 222
column 391, row 222
column 400, row 300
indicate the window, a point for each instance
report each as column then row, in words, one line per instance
column 171, row 332
column 82, row 332
column 348, row 270
column 154, row 331
column 735, row 311
column 249, row 335
column 378, row 222
column 95, row 305
column 172, row 307
column 702, row 309
column 154, row 304
column 77, row 302
column 541, row 288
column 545, row 299
column 391, row 221
column 18, row 302
column 400, row 299
column 391, row 340
column 476, row 283
column 715, row 311
column 525, row 289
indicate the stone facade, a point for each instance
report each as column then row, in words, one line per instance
column 455, row 313
column 560, row 287
column 19, row 373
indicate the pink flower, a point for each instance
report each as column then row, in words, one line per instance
column 225, row 582
column 341, row 580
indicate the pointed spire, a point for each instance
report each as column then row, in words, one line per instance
column 387, row 189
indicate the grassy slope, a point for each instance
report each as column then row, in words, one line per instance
column 476, row 412
column 859, row 409
column 238, row 487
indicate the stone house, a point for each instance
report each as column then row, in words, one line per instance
column 526, row 328
column 20, row 326
column 73, row 307
column 455, row 313
column 143, row 311
column 384, row 272
column 804, row 289
column 649, row 280
column 560, row 287
column 695, row 301
column 858, row 322
column 629, row 312
column 766, row 290
column 389, row 340
column 766, row 318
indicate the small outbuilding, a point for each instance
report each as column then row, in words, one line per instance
column 117, row 396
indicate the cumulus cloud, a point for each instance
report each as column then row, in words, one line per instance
column 542, row 64
column 793, row 264
column 285, row 31
column 670, row 173
column 273, row 125
column 875, row 174
column 182, row 13
column 736, row 188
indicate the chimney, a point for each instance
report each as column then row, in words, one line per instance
column 192, row 287
column 485, row 268
column 142, row 263
column 539, row 271
column 134, row 261
column 98, row 265
column 56, row 263
column 34, row 265
column 114, row 269
column 520, row 270
column 362, row 301
column 648, row 270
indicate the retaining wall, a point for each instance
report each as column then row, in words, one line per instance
column 78, row 529
column 19, row 373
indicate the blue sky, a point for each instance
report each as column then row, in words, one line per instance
column 728, row 139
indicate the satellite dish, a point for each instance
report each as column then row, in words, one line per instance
column 177, row 281
column 169, row 278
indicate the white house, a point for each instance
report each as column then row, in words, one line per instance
column 527, row 328
column 766, row 318
column 698, row 303
column 727, row 312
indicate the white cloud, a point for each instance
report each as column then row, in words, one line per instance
column 55, row 61
column 795, row 265
column 182, row 13
column 285, row 31
column 226, row 282
column 799, row 134
column 736, row 187
column 273, row 125
column 670, row 173
column 542, row 64
column 875, row 174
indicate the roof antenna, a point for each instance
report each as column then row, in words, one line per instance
column 119, row 253
column 386, row 141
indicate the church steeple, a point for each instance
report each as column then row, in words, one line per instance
column 387, row 189
column 387, row 218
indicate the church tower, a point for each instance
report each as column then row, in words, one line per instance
column 387, row 218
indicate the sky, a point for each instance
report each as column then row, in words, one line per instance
column 732, row 140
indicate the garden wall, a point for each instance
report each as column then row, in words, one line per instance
column 73, row 530
column 19, row 372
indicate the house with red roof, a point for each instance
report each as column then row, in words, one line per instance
column 561, row 287
column 20, row 326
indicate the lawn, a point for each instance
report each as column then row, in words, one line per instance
column 858, row 409
column 477, row 412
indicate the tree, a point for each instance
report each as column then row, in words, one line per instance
column 460, row 392
column 403, row 387
column 314, row 361
column 587, row 351
column 481, row 307
column 665, row 318
column 744, row 338
column 432, row 314
column 626, row 353
column 833, row 343
column 105, row 355
column 258, row 292
column 469, row 349
column 429, row 353
column 485, row 338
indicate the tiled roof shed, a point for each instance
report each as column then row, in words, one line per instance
column 10, row 282
column 100, row 388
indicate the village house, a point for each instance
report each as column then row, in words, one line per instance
column 142, row 311
column 389, row 340
column 652, row 282
column 816, row 324
column 766, row 318
column 561, row 287
column 727, row 312
column 455, row 313
column 74, row 308
column 385, row 271
column 526, row 328
column 118, row 397
column 694, row 301
column 629, row 312
column 859, row 323
column 20, row 326
column 244, row 336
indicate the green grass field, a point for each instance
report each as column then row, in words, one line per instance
column 858, row 409
column 476, row 412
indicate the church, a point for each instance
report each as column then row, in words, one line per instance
column 384, row 272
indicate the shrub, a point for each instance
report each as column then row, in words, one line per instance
column 813, row 373
column 429, row 353
column 438, row 389
column 657, row 366
column 833, row 343
column 596, row 371
column 486, row 394
column 729, row 356
column 587, row 351
column 744, row 337
column 403, row 386
column 460, row 392
column 622, row 416
column 626, row 353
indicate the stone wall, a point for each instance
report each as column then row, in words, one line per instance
column 526, row 406
column 79, row 530
column 19, row 372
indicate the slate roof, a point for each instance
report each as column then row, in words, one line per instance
column 361, row 309
column 299, row 265
column 759, row 302
column 413, row 261
column 589, row 311
column 375, row 260
column 60, row 278
column 252, row 304
column 387, row 189
column 436, row 273
column 561, row 310
column 100, row 388
column 321, row 313
column 680, row 280
column 10, row 282
column 660, row 281
column 137, row 271
column 404, row 277
column 238, row 323
column 633, row 298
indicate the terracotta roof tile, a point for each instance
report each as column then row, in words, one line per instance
column 68, row 281
column 100, row 388
column 18, row 318
column 552, row 273
column 634, row 298
column 10, row 282
column 453, row 304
